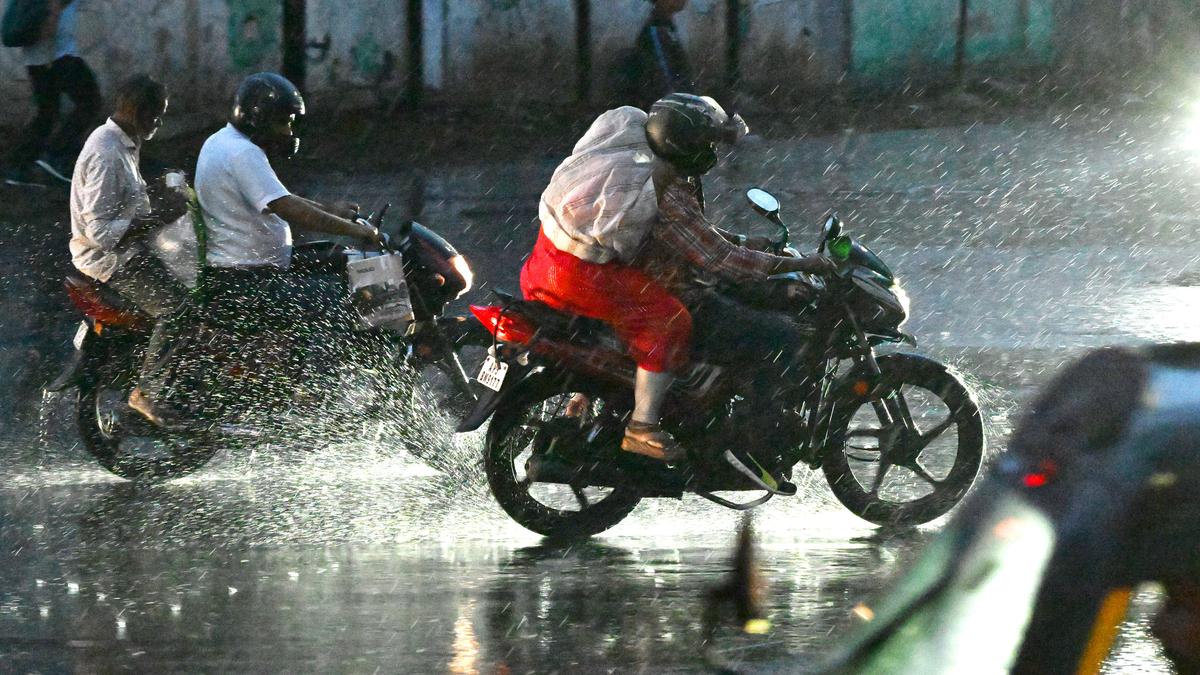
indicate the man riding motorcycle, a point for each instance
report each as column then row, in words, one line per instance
column 249, row 216
column 624, row 240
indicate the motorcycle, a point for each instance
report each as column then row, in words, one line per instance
column 252, row 387
column 898, row 436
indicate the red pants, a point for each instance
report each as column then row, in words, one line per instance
column 653, row 324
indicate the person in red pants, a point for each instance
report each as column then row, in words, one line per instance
column 631, row 181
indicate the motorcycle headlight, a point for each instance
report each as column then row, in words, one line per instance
column 902, row 297
column 460, row 265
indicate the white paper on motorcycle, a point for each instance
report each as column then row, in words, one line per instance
column 379, row 292
column 491, row 375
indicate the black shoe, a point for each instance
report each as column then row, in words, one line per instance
column 56, row 168
column 23, row 177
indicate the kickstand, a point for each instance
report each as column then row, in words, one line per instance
column 735, row 506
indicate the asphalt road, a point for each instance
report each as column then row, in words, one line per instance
column 1022, row 244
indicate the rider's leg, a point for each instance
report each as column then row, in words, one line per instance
column 144, row 281
column 649, row 392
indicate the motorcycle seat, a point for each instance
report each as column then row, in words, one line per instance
column 563, row 324
column 81, row 283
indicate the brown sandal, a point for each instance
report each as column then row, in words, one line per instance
column 651, row 441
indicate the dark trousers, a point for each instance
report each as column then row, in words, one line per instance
column 726, row 330
column 144, row 281
column 67, row 75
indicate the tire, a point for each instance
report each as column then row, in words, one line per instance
column 919, row 381
column 509, row 437
column 104, row 438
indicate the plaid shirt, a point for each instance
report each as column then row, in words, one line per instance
column 684, row 249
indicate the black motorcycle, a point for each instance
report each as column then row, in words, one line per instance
column 252, row 389
column 899, row 436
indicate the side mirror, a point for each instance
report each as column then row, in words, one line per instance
column 763, row 202
column 833, row 227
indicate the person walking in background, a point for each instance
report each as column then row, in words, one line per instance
column 55, row 68
column 659, row 65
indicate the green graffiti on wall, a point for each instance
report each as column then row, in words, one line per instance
column 367, row 54
column 253, row 31
column 894, row 39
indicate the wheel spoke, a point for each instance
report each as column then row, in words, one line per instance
column 580, row 497
column 924, row 475
column 885, row 465
column 924, row 439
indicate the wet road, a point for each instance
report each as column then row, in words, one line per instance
column 1021, row 244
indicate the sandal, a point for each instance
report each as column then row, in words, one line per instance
column 651, row 441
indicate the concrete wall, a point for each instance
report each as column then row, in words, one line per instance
column 792, row 47
column 187, row 42
column 366, row 47
column 484, row 50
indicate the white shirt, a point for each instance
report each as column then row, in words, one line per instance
column 61, row 43
column 235, row 183
column 107, row 193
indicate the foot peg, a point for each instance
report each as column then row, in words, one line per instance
column 760, row 476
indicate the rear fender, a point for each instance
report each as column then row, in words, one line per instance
column 490, row 400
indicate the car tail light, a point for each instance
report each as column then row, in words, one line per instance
column 505, row 326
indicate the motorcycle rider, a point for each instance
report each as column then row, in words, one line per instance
column 249, row 216
column 622, row 224
column 112, row 214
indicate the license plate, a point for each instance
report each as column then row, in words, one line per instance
column 80, row 333
column 491, row 375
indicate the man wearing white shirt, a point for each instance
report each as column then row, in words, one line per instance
column 55, row 68
column 249, row 215
column 113, row 213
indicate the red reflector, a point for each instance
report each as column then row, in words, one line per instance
column 861, row 388
column 1034, row 480
column 506, row 326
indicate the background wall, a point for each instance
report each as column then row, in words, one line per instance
column 509, row 50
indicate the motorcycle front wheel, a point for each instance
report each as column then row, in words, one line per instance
column 905, row 474
column 130, row 448
column 518, row 431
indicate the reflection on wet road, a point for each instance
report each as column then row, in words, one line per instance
column 1020, row 244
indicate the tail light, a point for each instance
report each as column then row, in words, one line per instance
column 505, row 326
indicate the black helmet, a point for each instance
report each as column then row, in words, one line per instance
column 266, row 108
column 684, row 129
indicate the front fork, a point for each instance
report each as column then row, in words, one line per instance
column 896, row 425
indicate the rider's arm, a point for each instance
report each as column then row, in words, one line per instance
column 684, row 229
column 307, row 216
column 107, row 200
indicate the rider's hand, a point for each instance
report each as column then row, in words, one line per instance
column 814, row 264
column 369, row 234
column 344, row 209
column 759, row 243
column 166, row 204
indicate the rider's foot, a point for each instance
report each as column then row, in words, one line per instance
column 578, row 405
column 142, row 405
column 650, row 440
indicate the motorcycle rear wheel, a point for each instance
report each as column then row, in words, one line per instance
column 940, row 403
column 542, row 507
column 99, row 418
